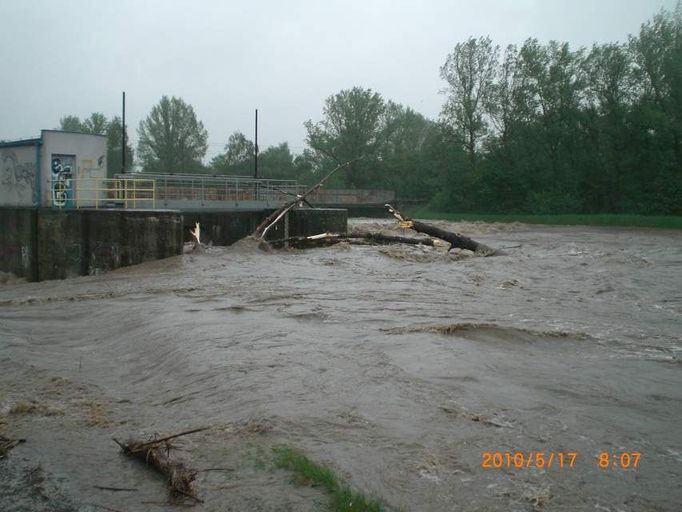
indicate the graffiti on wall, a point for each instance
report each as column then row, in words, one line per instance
column 17, row 179
column 62, row 176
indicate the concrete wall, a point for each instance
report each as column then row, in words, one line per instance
column 18, row 175
column 307, row 222
column 18, row 241
column 52, row 243
column 46, row 243
column 222, row 228
column 67, row 155
column 84, row 242
column 225, row 228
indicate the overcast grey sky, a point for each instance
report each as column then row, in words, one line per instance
column 227, row 58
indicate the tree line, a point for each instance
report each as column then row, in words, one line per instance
column 530, row 128
column 542, row 128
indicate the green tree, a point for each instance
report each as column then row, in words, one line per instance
column 550, row 106
column 502, row 103
column 657, row 52
column 98, row 124
column 469, row 71
column 71, row 124
column 306, row 167
column 114, row 141
column 353, row 128
column 237, row 158
column 610, row 92
column 561, row 130
column 504, row 185
column 277, row 162
column 406, row 158
column 171, row 138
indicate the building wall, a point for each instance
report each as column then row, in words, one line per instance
column 17, row 175
column 66, row 156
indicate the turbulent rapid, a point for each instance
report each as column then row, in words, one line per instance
column 396, row 366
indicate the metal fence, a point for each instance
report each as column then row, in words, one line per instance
column 196, row 191
column 200, row 192
column 108, row 193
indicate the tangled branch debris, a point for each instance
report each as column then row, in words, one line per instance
column 156, row 453
column 436, row 237
column 454, row 239
column 275, row 216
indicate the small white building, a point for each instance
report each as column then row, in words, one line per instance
column 47, row 171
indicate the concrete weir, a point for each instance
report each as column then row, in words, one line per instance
column 47, row 243
column 226, row 227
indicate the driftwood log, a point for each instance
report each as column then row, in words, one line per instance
column 353, row 238
column 156, row 453
column 454, row 239
column 381, row 238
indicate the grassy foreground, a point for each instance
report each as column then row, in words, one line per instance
column 644, row 221
column 308, row 472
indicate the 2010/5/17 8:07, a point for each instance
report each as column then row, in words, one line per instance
column 520, row 460
column 559, row 460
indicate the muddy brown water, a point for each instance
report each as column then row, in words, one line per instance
column 396, row 366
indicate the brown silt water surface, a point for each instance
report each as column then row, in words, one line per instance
column 396, row 366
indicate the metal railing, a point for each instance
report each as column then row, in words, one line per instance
column 190, row 191
column 112, row 193
column 196, row 192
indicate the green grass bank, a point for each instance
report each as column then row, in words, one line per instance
column 308, row 472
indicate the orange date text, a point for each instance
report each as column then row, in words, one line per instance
column 523, row 460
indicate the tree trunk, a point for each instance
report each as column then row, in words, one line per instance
column 455, row 239
column 355, row 238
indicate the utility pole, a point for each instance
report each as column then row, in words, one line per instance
column 123, row 136
column 255, row 150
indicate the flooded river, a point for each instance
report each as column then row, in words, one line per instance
column 397, row 366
